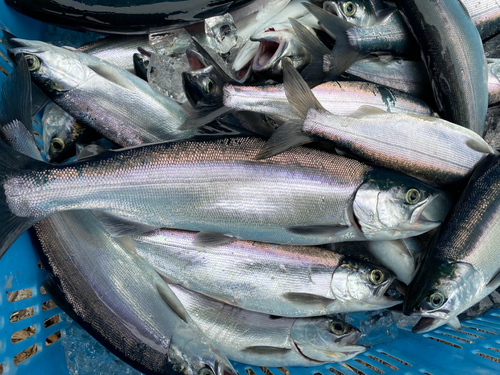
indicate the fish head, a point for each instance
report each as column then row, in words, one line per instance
column 441, row 291
column 326, row 339
column 194, row 354
column 275, row 43
column 54, row 69
column 363, row 286
column 357, row 12
column 242, row 64
column 202, row 86
column 389, row 206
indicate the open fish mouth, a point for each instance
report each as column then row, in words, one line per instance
column 333, row 8
column 270, row 51
column 389, row 294
column 195, row 60
column 427, row 324
column 242, row 65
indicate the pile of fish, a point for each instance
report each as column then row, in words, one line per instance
column 229, row 184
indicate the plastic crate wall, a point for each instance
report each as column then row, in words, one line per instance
column 473, row 350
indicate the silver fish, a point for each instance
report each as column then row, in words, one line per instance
column 87, row 88
column 357, row 12
column 382, row 138
column 265, row 340
column 485, row 14
column 292, row 281
column 453, row 54
column 301, row 197
column 121, row 301
column 463, row 265
column 493, row 82
column 117, row 49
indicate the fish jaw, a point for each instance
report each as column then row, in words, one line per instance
column 242, row 65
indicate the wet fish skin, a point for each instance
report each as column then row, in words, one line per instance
column 485, row 15
column 267, row 278
column 206, row 185
column 358, row 12
column 453, row 53
column 365, row 134
column 462, row 266
column 87, row 88
column 264, row 340
column 119, row 298
column 493, row 82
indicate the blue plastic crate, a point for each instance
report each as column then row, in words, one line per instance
column 473, row 350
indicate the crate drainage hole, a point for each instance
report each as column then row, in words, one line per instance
column 42, row 290
column 22, row 314
column 494, row 349
column 383, row 362
column 3, row 71
column 23, row 334
column 51, row 321
column 373, row 368
column 250, row 371
column 336, row 372
column 472, row 334
column 40, row 265
column 1, row 368
column 48, row 305
column 25, row 354
column 444, row 342
column 494, row 359
column 353, row 369
column 397, row 359
column 480, row 330
column 53, row 338
column 266, row 371
column 19, row 295
column 456, row 337
column 284, row 370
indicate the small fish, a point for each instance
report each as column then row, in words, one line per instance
column 462, row 267
column 61, row 133
column 388, row 34
column 300, row 197
column 485, row 14
column 118, row 50
column 87, row 88
column 453, row 54
column 266, row 340
column 291, row 281
column 365, row 133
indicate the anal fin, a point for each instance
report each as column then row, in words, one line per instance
column 119, row 227
column 212, row 239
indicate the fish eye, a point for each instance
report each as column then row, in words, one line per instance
column 412, row 196
column 208, row 85
column 33, row 62
column 57, row 144
column 205, row 371
column 349, row 9
column 377, row 277
column 338, row 328
column 436, row 300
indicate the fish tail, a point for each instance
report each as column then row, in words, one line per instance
column 12, row 162
column 302, row 99
column 313, row 73
column 206, row 97
column 344, row 54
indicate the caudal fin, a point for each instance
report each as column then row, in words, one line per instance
column 204, row 89
column 13, row 163
column 302, row 99
column 343, row 54
column 313, row 73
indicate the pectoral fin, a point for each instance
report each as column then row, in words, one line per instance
column 172, row 301
column 271, row 351
column 308, row 300
column 119, row 227
column 112, row 74
column 454, row 323
column 318, row 230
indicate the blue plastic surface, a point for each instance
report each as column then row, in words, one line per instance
column 473, row 350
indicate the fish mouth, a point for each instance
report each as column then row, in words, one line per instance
column 427, row 324
column 194, row 92
column 437, row 208
column 270, row 52
column 195, row 60
column 242, row 65
column 333, row 8
column 389, row 294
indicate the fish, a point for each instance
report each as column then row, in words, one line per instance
column 213, row 90
column 61, row 133
column 453, row 54
column 358, row 12
column 131, row 18
column 389, row 34
column 493, row 82
column 485, row 14
column 87, row 88
column 216, row 187
column 117, row 49
column 143, row 323
column 402, row 257
column 365, row 133
column 272, row 341
column 462, row 266
column 492, row 47
column 289, row 281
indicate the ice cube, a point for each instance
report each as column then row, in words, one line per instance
column 377, row 327
column 405, row 321
column 221, row 33
column 478, row 309
column 164, row 75
column 84, row 354
column 173, row 41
